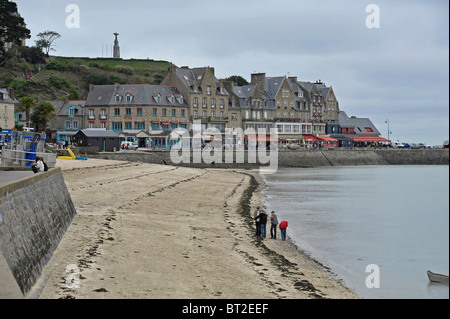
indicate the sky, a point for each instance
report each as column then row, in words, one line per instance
column 390, row 65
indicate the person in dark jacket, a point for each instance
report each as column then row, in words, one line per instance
column 263, row 223
column 256, row 218
column 273, row 225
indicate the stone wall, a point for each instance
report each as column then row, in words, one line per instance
column 35, row 212
column 307, row 158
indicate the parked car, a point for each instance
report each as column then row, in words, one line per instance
column 398, row 145
column 406, row 145
column 293, row 146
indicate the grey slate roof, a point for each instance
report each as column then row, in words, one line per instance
column 142, row 94
column 192, row 78
column 99, row 133
column 360, row 124
column 5, row 98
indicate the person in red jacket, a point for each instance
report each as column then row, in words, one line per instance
column 283, row 226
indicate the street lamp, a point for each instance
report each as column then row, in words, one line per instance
column 389, row 129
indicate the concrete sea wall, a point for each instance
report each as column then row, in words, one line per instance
column 35, row 212
column 305, row 158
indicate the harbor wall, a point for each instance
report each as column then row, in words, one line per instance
column 304, row 158
column 35, row 212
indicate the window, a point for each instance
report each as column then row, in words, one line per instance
column 195, row 103
column 71, row 111
column 174, row 113
column 296, row 128
column 75, row 124
column 172, row 99
column 103, row 124
column 91, row 124
column 116, row 112
column 91, row 114
column 173, row 126
column 221, row 103
column 155, row 126
column 213, row 114
column 213, row 103
column 117, row 98
column 139, row 112
column 165, row 127
column 128, row 125
column 287, row 128
column 205, row 104
column 67, row 124
column 117, row 127
column 103, row 114
column 204, row 114
column 128, row 98
column 221, row 115
column 208, row 90
column 164, row 113
column 183, row 113
column 155, row 112
column 234, row 116
column 280, row 128
column 140, row 126
column 195, row 115
column 128, row 112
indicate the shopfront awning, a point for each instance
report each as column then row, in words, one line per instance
column 261, row 138
column 370, row 139
column 310, row 137
column 327, row 139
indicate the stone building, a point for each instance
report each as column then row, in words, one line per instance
column 136, row 108
column 205, row 94
column 7, row 108
column 70, row 118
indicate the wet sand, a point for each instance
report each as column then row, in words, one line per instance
column 147, row 231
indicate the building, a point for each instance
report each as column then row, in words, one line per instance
column 131, row 109
column 7, row 108
column 70, row 118
column 204, row 93
column 106, row 141
column 361, row 130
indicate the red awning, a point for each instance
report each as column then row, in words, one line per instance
column 165, row 123
column 261, row 138
column 327, row 138
column 370, row 139
column 310, row 137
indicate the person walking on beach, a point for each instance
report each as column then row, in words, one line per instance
column 256, row 218
column 263, row 223
column 283, row 228
column 273, row 225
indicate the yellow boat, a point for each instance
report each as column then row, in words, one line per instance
column 69, row 158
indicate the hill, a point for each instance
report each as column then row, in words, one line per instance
column 69, row 77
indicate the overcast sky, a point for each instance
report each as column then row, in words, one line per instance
column 399, row 71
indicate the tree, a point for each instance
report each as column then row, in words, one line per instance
column 46, row 40
column 239, row 80
column 42, row 114
column 12, row 25
column 26, row 104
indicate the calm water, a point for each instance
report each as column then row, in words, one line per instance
column 396, row 217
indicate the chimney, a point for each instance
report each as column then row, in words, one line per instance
column 293, row 78
column 259, row 79
column 11, row 93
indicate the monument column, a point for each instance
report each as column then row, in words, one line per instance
column 116, row 53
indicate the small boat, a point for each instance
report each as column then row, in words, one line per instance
column 437, row 277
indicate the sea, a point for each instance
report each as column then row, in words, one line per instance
column 378, row 228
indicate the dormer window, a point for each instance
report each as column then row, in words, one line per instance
column 129, row 97
column 208, row 90
column 71, row 111
column 117, row 98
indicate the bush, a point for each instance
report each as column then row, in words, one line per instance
column 59, row 83
column 58, row 65
column 73, row 94
column 124, row 70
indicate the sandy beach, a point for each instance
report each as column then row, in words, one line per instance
column 147, row 231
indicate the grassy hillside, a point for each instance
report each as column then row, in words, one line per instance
column 69, row 78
